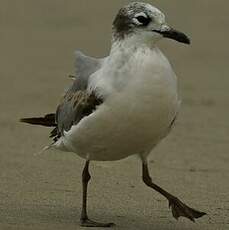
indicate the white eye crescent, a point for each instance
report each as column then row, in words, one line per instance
column 141, row 19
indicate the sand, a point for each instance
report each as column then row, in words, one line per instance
column 44, row 192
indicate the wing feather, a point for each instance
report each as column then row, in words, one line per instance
column 77, row 101
column 75, row 106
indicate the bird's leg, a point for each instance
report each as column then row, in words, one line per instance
column 85, row 221
column 178, row 208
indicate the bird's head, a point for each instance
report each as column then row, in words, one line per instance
column 144, row 22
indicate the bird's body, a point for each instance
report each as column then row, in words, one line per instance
column 123, row 104
column 140, row 91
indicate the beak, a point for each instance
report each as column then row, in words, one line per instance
column 168, row 32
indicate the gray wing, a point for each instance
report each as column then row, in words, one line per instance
column 84, row 67
column 77, row 102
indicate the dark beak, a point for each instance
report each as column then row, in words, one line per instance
column 175, row 35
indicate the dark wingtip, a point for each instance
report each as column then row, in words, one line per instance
column 24, row 120
column 48, row 120
column 29, row 120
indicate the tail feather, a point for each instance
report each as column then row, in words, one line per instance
column 48, row 120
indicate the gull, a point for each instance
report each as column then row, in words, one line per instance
column 123, row 104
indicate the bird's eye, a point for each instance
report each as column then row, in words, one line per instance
column 144, row 21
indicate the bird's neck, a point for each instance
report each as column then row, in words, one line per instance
column 133, row 42
column 124, row 49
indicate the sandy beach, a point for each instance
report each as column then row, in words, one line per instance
column 39, row 192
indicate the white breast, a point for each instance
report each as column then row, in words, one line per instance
column 141, row 102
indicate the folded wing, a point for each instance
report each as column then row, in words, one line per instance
column 77, row 101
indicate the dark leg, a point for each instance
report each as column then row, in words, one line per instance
column 178, row 208
column 85, row 221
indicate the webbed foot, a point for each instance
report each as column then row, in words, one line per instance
column 89, row 223
column 180, row 209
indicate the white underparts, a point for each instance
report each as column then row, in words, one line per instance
column 141, row 102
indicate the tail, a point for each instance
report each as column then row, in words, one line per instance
column 48, row 120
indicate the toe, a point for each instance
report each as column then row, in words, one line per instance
column 180, row 209
column 90, row 223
